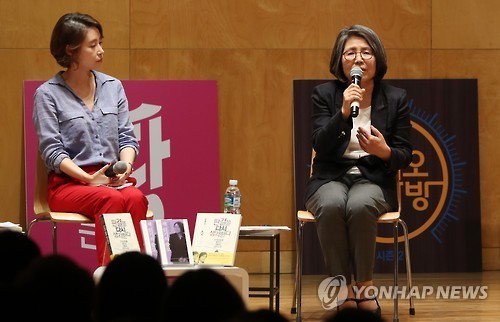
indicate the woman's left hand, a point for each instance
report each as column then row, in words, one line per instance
column 374, row 143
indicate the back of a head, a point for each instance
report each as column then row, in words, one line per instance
column 17, row 251
column 354, row 315
column 202, row 295
column 132, row 288
column 55, row 288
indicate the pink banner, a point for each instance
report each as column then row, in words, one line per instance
column 176, row 123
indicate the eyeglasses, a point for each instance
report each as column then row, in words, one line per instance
column 350, row 55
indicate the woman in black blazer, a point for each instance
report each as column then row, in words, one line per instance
column 178, row 244
column 357, row 159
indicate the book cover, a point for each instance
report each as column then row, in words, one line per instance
column 215, row 238
column 120, row 233
column 174, row 241
column 150, row 238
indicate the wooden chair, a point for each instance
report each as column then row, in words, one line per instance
column 304, row 217
column 42, row 209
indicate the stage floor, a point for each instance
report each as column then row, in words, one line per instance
column 444, row 300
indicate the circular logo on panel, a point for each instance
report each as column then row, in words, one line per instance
column 431, row 185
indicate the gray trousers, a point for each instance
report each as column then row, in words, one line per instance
column 346, row 213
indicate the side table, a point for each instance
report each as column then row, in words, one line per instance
column 272, row 291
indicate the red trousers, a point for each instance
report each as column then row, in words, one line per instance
column 68, row 195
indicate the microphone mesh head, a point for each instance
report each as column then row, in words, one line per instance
column 356, row 71
column 120, row 167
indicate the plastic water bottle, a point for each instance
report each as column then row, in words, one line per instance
column 232, row 198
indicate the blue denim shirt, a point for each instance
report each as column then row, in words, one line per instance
column 66, row 128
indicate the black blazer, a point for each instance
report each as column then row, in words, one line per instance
column 178, row 247
column 390, row 114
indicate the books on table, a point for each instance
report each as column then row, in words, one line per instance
column 215, row 238
column 214, row 241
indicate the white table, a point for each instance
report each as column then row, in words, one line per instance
column 238, row 277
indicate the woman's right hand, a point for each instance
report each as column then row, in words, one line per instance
column 351, row 93
column 99, row 178
column 96, row 179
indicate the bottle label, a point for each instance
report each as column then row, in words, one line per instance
column 236, row 202
column 228, row 201
column 232, row 204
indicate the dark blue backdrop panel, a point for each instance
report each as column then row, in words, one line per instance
column 441, row 200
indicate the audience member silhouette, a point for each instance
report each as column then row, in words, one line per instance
column 260, row 315
column 202, row 295
column 131, row 289
column 354, row 315
column 54, row 288
column 17, row 251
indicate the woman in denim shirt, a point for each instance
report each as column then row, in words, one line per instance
column 82, row 121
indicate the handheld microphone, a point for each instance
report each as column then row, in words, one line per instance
column 117, row 168
column 356, row 74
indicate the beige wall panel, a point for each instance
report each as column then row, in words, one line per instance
column 16, row 66
column 273, row 24
column 400, row 24
column 477, row 64
column 408, row 63
column 29, row 23
column 116, row 63
column 225, row 24
column 464, row 24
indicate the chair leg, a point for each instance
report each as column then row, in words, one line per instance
column 408, row 265
column 299, row 275
column 54, row 237
column 30, row 225
column 293, row 310
column 54, row 231
column 396, row 270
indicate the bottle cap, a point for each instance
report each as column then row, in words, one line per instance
column 233, row 182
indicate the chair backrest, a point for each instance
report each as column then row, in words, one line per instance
column 398, row 191
column 40, row 204
column 313, row 154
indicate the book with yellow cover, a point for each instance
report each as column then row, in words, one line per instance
column 215, row 238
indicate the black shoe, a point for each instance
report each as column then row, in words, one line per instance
column 349, row 299
column 377, row 311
